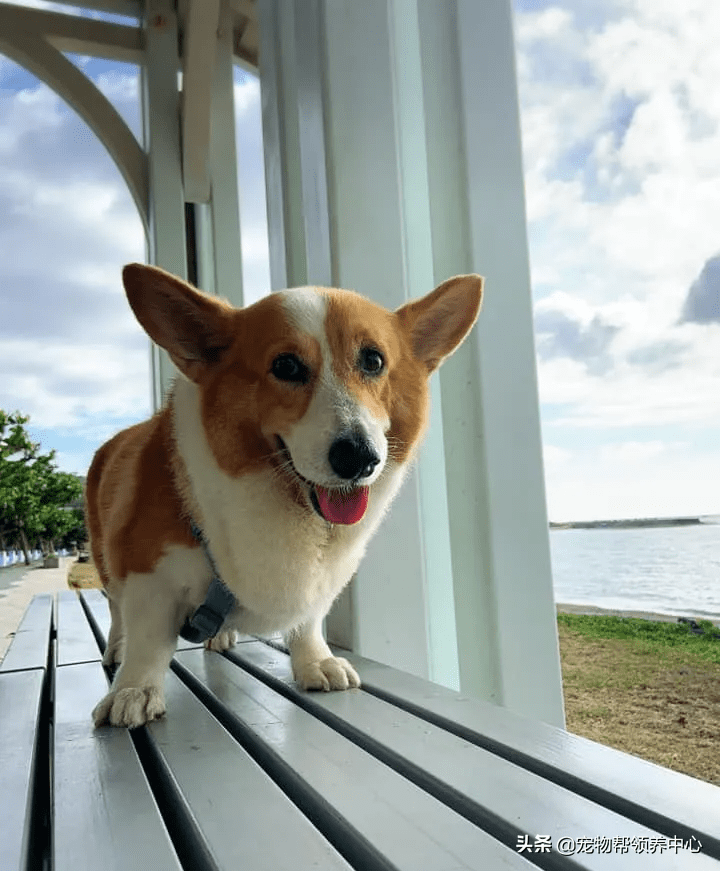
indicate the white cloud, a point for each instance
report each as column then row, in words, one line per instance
column 71, row 352
column 631, row 479
column 64, row 385
column 621, row 140
column 641, row 200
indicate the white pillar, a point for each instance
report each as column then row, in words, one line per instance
column 507, row 633
column 216, row 221
column 224, row 203
column 412, row 107
column 161, row 116
column 291, row 70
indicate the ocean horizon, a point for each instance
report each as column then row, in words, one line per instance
column 672, row 570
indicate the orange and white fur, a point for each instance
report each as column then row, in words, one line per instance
column 285, row 437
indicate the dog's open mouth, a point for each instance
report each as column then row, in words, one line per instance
column 345, row 505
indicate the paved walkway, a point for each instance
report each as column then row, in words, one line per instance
column 14, row 601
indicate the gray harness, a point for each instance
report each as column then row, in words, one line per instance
column 206, row 621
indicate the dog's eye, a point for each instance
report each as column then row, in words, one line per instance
column 371, row 361
column 287, row 367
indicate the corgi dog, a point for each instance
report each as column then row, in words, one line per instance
column 259, row 483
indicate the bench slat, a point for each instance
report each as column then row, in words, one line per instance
column 75, row 640
column 247, row 771
column 29, row 647
column 618, row 781
column 413, row 830
column 20, row 699
column 244, row 817
column 97, row 604
column 488, row 785
column 105, row 814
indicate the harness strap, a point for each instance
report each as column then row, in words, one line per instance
column 206, row 621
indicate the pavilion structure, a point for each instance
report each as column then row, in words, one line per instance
column 392, row 161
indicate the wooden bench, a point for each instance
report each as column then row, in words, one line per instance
column 246, row 772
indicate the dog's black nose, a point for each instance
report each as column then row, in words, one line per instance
column 352, row 458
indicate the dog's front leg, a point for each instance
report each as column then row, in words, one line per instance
column 150, row 619
column 313, row 664
column 116, row 637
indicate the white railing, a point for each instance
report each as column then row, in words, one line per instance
column 14, row 557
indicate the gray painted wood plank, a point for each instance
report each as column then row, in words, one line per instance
column 105, row 816
column 75, row 640
column 692, row 802
column 29, row 647
column 97, row 603
column 246, row 819
column 536, row 806
column 412, row 829
column 20, row 696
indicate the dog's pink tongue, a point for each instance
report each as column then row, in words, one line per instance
column 338, row 506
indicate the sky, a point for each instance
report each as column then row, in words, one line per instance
column 620, row 117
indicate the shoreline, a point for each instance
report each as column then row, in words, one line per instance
column 36, row 580
column 597, row 611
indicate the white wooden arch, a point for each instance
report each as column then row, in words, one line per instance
column 36, row 39
column 392, row 161
column 170, row 174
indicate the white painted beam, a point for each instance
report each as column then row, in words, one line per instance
column 371, row 92
column 223, row 158
column 130, row 8
column 161, row 122
column 72, row 33
column 291, row 69
column 246, row 41
column 199, row 57
column 245, row 16
column 246, row 8
column 418, row 105
column 497, row 482
column 505, row 615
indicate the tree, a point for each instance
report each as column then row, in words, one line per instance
column 34, row 497
column 56, row 516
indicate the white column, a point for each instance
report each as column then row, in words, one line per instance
column 291, row 71
column 424, row 180
column 403, row 605
column 161, row 122
column 507, row 633
column 217, row 219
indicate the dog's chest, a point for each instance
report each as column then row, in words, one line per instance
column 281, row 563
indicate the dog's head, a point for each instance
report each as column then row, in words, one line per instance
column 322, row 384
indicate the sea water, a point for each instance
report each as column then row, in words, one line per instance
column 670, row 570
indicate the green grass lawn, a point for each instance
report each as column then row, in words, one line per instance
column 646, row 687
column 671, row 640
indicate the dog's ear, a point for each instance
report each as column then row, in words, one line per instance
column 194, row 328
column 438, row 323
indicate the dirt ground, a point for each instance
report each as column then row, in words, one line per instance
column 83, row 575
column 665, row 710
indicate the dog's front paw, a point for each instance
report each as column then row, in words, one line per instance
column 222, row 641
column 333, row 673
column 131, row 707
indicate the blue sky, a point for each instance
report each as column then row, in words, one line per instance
column 621, row 137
